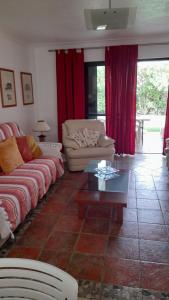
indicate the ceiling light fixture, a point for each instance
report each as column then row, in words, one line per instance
column 101, row 27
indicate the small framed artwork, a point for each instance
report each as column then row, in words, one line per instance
column 27, row 88
column 8, row 92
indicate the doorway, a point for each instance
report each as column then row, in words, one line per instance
column 152, row 91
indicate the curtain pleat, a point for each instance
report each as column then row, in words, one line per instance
column 120, row 92
column 70, row 86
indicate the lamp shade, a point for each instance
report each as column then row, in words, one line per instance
column 41, row 126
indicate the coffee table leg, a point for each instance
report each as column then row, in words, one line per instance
column 82, row 209
column 119, row 214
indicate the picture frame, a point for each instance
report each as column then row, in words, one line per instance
column 27, row 88
column 7, row 87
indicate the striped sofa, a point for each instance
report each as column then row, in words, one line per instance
column 21, row 190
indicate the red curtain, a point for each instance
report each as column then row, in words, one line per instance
column 70, row 86
column 166, row 128
column 121, row 78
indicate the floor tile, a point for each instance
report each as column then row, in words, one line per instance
column 87, row 267
column 120, row 247
column 164, row 205
column 127, row 229
column 163, row 195
column 69, row 224
column 154, row 232
column 144, row 179
column 96, row 225
column 59, row 259
column 145, row 186
column 34, row 236
column 122, row 272
column 154, row 251
column 162, row 186
column 146, row 194
column 24, row 252
column 71, row 209
column 155, row 276
column 40, row 222
column 150, row 216
column 131, row 203
column 147, row 204
column 129, row 215
column 53, row 208
column 92, row 244
column 166, row 217
column 61, row 240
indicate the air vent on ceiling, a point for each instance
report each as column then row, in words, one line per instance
column 110, row 18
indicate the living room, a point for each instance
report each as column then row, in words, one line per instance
column 30, row 34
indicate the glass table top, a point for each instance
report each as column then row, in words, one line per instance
column 119, row 183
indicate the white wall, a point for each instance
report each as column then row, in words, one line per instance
column 16, row 56
column 46, row 78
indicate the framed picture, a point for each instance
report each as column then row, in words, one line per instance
column 27, row 88
column 8, row 92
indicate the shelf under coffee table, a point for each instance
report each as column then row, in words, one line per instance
column 111, row 193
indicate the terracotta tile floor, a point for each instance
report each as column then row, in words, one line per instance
column 135, row 254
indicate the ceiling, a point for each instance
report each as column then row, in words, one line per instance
column 51, row 21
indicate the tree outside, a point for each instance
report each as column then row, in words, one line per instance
column 101, row 89
column 152, row 87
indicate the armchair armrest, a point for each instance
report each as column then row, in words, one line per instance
column 105, row 141
column 167, row 143
column 49, row 148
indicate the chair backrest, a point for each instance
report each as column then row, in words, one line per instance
column 70, row 126
column 31, row 279
column 9, row 129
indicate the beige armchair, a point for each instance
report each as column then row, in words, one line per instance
column 78, row 157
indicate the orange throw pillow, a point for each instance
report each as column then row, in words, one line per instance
column 24, row 148
column 33, row 146
column 10, row 157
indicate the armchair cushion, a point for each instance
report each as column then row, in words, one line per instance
column 105, row 141
column 85, row 137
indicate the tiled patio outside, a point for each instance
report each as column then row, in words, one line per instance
column 135, row 254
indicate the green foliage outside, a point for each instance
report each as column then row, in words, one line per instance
column 101, row 89
column 152, row 87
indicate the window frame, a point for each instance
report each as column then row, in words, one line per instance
column 91, row 64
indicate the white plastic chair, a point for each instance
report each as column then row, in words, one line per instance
column 35, row 280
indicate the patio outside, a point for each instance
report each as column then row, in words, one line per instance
column 152, row 91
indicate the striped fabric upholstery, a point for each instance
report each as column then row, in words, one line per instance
column 9, row 129
column 21, row 190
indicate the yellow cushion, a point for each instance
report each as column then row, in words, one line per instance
column 10, row 157
column 33, row 146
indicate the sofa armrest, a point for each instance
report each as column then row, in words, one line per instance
column 105, row 141
column 49, row 148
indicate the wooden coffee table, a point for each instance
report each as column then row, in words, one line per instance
column 110, row 193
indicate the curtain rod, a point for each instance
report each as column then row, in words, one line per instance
column 102, row 47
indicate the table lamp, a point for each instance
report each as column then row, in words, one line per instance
column 42, row 127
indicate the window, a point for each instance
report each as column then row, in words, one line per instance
column 95, row 90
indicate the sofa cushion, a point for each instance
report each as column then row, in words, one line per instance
column 33, row 146
column 24, row 148
column 10, row 157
